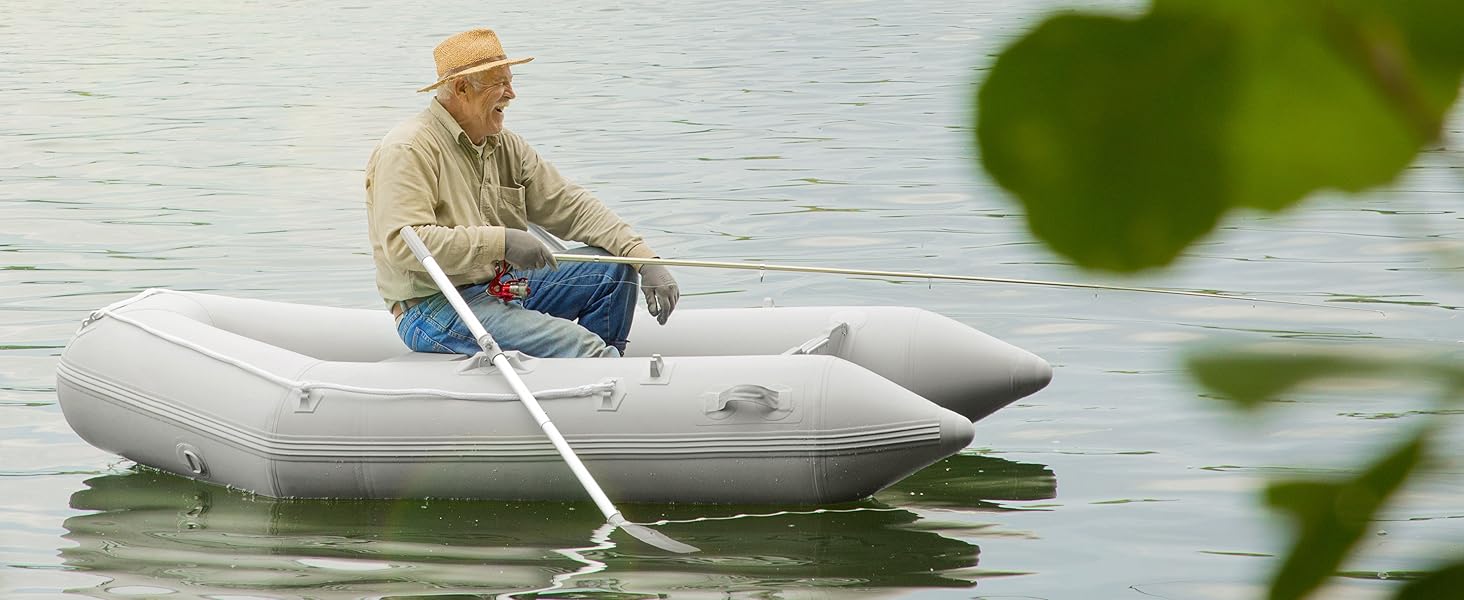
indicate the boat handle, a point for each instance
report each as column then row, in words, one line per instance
column 753, row 393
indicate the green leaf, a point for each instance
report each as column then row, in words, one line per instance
column 1308, row 117
column 1328, row 96
column 1429, row 52
column 1332, row 516
column 1127, row 140
column 1250, row 378
column 1445, row 582
column 1105, row 129
column 1253, row 378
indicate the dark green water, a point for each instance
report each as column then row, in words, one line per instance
column 166, row 532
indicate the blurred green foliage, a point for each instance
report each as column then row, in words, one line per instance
column 1128, row 139
column 1333, row 515
column 1253, row 377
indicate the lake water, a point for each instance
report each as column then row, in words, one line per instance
column 218, row 147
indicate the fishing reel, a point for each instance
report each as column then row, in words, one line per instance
column 507, row 289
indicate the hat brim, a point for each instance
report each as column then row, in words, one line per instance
column 477, row 69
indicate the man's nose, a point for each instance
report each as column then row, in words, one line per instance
column 508, row 91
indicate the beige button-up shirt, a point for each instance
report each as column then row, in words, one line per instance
column 459, row 198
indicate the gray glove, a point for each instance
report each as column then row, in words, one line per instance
column 525, row 252
column 660, row 290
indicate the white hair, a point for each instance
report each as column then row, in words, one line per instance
column 478, row 81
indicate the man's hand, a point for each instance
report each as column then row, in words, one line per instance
column 525, row 252
column 660, row 290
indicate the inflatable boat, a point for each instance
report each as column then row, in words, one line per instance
column 785, row 405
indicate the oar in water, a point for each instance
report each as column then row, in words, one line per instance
column 750, row 266
column 497, row 357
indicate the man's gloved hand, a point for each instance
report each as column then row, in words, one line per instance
column 525, row 252
column 660, row 290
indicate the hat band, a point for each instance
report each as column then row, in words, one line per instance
column 461, row 68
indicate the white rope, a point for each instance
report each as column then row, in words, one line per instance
column 99, row 313
column 595, row 389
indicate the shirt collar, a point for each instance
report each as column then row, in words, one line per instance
column 455, row 131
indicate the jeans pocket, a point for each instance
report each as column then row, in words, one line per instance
column 421, row 335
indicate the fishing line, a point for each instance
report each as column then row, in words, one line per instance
column 930, row 277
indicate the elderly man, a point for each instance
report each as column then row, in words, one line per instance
column 470, row 189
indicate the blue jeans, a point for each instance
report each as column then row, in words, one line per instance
column 601, row 297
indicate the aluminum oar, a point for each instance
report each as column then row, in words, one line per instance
column 756, row 266
column 500, row 360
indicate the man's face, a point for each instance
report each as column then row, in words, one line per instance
column 487, row 105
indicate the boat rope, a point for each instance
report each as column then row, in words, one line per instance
column 602, row 388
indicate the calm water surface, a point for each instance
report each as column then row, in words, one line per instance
column 219, row 148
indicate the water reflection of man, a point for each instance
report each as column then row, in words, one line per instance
column 470, row 189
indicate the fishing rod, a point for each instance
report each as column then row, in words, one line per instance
column 752, row 266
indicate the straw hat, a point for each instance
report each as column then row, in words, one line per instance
column 469, row 52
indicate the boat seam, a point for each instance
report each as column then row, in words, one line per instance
column 910, row 433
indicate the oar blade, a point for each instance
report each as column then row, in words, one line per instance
column 654, row 538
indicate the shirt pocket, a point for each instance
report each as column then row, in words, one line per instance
column 505, row 206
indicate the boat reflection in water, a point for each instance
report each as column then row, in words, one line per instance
column 156, row 534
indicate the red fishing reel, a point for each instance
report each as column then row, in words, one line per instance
column 507, row 289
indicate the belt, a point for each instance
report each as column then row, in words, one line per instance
column 400, row 307
column 404, row 305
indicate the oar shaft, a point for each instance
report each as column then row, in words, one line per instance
column 580, row 472
column 751, row 266
column 485, row 341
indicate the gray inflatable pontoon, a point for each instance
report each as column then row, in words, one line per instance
column 760, row 405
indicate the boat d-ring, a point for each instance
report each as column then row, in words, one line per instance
column 192, row 460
